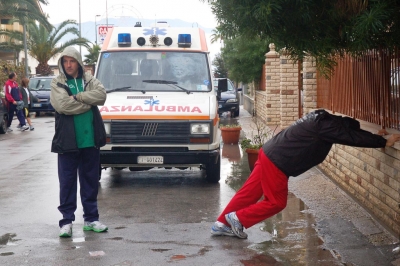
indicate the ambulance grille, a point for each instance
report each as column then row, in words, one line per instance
column 129, row 132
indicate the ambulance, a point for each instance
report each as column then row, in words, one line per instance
column 162, row 107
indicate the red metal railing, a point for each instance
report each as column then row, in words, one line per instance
column 364, row 87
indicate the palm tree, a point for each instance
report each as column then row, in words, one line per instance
column 43, row 44
column 216, row 35
column 91, row 58
column 25, row 11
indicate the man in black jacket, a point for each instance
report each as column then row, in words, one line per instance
column 290, row 153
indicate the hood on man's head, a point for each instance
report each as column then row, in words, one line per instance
column 74, row 53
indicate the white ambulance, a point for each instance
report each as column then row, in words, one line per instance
column 161, row 108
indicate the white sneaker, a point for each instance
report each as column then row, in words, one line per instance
column 66, row 230
column 9, row 129
column 236, row 226
column 219, row 229
column 95, row 226
column 24, row 127
column 31, row 128
column 19, row 126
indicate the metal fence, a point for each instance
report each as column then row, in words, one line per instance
column 365, row 87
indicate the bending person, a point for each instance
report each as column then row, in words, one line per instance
column 290, row 153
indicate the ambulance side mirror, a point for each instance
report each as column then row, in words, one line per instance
column 222, row 85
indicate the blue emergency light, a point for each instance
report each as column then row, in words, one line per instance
column 184, row 40
column 124, row 40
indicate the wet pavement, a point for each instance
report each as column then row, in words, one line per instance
column 163, row 217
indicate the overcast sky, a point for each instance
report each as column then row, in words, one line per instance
column 194, row 11
column 187, row 10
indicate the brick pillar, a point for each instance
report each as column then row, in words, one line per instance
column 309, row 84
column 289, row 84
column 272, row 75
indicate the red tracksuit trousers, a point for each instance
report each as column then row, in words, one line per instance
column 265, row 180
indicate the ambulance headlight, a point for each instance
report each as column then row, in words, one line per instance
column 124, row 40
column 107, row 126
column 200, row 128
column 232, row 100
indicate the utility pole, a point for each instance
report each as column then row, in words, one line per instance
column 95, row 27
column 80, row 29
column 106, row 15
column 26, row 53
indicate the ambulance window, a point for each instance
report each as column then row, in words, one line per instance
column 157, row 71
column 190, row 70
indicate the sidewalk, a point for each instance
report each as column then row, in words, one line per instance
column 346, row 228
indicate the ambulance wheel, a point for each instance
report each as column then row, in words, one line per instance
column 100, row 172
column 236, row 114
column 213, row 171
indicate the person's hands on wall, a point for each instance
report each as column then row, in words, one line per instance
column 382, row 132
column 392, row 139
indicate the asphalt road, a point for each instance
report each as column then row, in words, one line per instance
column 163, row 217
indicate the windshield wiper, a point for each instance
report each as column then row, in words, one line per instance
column 119, row 89
column 159, row 81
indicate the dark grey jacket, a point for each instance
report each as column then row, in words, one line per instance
column 308, row 141
column 25, row 97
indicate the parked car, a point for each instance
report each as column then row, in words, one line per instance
column 3, row 115
column 40, row 87
column 229, row 100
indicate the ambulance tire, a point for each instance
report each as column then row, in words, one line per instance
column 213, row 171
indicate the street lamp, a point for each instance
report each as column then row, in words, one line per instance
column 95, row 26
column 80, row 29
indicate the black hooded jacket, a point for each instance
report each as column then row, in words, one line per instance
column 308, row 141
column 94, row 94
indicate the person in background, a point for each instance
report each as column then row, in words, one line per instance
column 293, row 151
column 28, row 98
column 13, row 96
column 79, row 133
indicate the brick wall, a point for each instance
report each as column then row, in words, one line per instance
column 289, row 99
column 309, row 84
column 371, row 176
column 271, row 101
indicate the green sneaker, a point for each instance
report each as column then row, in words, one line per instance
column 66, row 230
column 94, row 226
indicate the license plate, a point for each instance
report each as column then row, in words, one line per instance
column 37, row 105
column 150, row 159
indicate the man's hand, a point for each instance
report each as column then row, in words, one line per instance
column 392, row 139
column 382, row 132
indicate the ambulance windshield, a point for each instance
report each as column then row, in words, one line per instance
column 154, row 71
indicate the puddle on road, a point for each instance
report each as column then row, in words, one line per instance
column 287, row 238
column 8, row 239
column 6, row 254
column 293, row 237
